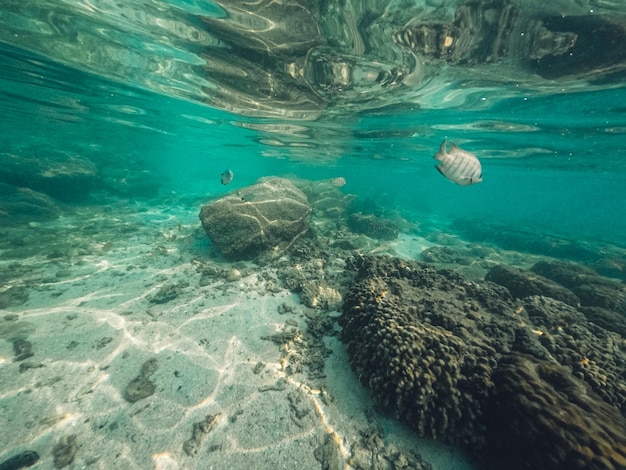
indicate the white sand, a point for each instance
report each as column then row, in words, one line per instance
column 92, row 326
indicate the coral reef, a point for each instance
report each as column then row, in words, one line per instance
column 592, row 289
column 440, row 351
column 564, row 426
column 510, row 238
column 593, row 354
column 413, row 338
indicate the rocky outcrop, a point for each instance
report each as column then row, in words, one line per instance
column 19, row 206
column 373, row 226
column 64, row 177
column 522, row 284
column 592, row 290
column 265, row 218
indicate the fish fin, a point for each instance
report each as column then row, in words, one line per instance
column 454, row 147
column 442, row 151
column 440, row 170
column 469, row 180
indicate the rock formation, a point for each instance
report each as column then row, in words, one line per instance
column 64, row 177
column 267, row 217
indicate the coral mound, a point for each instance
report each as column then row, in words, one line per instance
column 419, row 351
column 465, row 363
column 564, row 426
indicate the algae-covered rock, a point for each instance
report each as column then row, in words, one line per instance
column 64, row 451
column 266, row 217
column 24, row 459
column 19, row 206
column 525, row 283
column 68, row 178
column 373, row 226
column 141, row 386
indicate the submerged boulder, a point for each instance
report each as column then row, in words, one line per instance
column 522, row 284
column 373, row 226
column 64, row 177
column 269, row 215
column 19, row 206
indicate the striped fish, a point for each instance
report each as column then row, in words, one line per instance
column 458, row 166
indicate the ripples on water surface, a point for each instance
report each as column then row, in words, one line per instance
column 159, row 98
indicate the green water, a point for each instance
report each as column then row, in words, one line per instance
column 171, row 94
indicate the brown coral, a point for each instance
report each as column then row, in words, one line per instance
column 445, row 353
column 405, row 344
column 541, row 417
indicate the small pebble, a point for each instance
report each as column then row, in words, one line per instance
column 64, row 451
column 258, row 367
column 23, row 460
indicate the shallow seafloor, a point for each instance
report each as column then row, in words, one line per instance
column 143, row 348
column 128, row 340
column 100, row 293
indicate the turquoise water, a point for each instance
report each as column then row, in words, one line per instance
column 554, row 161
column 169, row 94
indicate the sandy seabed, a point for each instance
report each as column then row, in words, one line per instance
column 138, row 364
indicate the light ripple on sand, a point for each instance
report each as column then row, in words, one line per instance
column 93, row 335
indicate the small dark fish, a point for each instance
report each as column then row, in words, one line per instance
column 458, row 165
column 227, row 177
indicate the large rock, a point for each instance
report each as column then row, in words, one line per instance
column 373, row 226
column 18, row 206
column 522, row 284
column 270, row 215
column 64, row 177
column 592, row 289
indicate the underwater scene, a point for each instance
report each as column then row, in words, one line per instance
column 305, row 234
